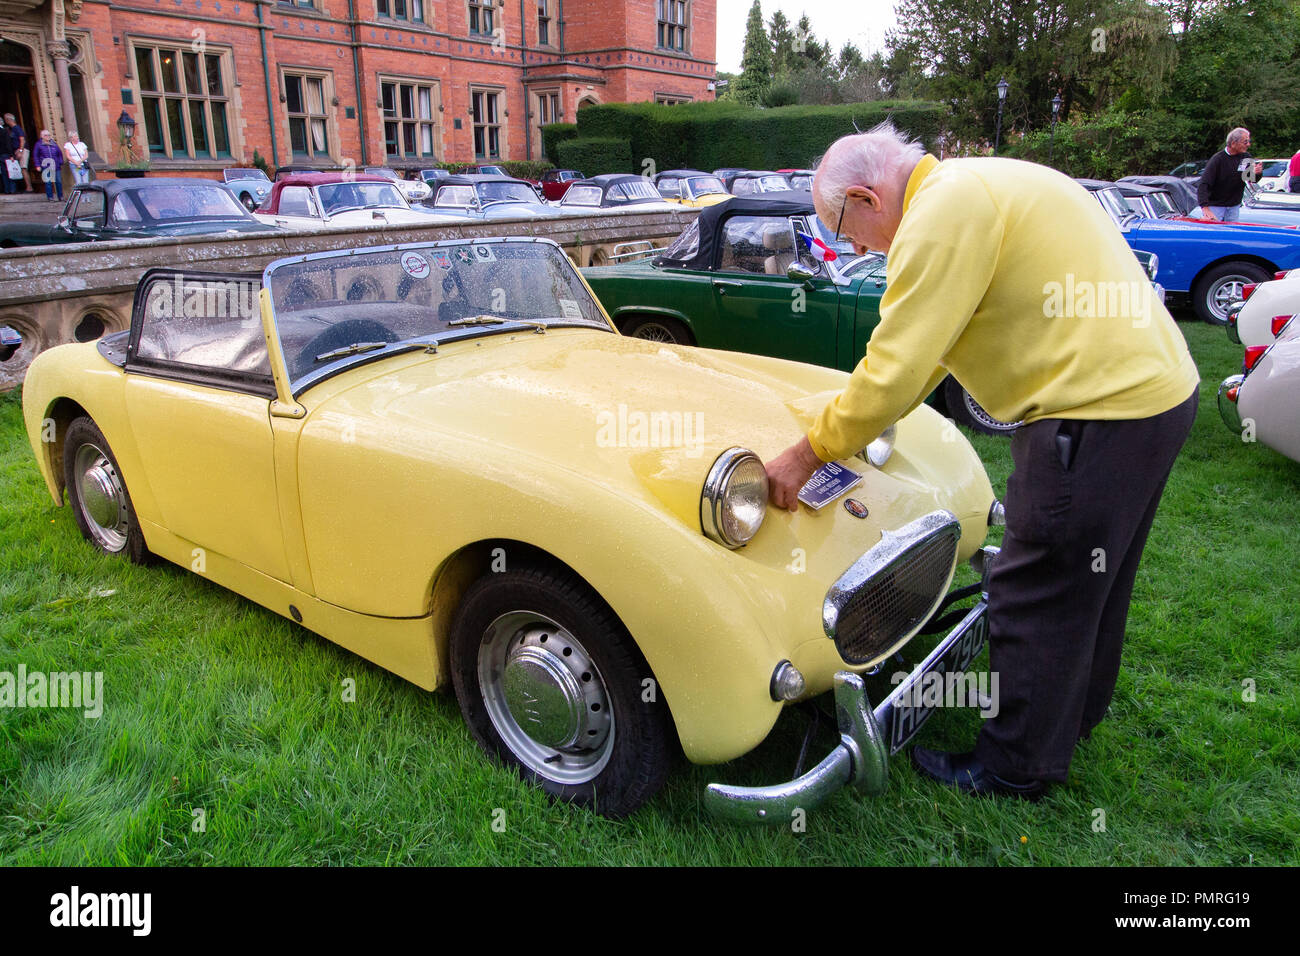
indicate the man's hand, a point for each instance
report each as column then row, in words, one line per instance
column 1206, row 214
column 789, row 472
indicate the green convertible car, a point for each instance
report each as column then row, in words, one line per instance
column 740, row 278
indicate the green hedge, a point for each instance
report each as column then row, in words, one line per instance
column 521, row 168
column 596, row 154
column 1114, row 144
column 710, row 135
column 553, row 134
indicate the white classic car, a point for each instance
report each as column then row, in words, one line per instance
column 1263, row 403
column 415, row 190
column 340, row 201
column 1264, row 309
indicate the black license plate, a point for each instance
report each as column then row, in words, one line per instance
column 903, row 709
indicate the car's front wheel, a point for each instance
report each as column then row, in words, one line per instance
column 97, row 493
column 551, row 683
column 966, row 411
column 658, row 329
column 1221, row 286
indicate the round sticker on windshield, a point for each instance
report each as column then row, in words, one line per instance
column 415, row 265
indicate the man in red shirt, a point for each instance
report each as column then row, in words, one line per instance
column 1294, row 170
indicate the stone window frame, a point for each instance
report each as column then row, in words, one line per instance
column 664, row 13
column 500, row 125
column 434, row 122
column 330, row 152
column 226, row 65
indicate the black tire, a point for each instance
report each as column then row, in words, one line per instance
column 249, row 202
column 966, row 411
column 1215, row 289
column 607, row 748
column 658, row 329
column 98, row 495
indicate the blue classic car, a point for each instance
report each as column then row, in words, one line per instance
column 481, row 196
column 1209, row 263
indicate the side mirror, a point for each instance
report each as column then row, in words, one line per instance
column 799, row 272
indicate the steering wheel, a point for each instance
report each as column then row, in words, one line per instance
column 340, row 336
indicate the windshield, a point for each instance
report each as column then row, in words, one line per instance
column 382, row 171
column 705, row 186
column 233, row 174
column 491, row 171
column 801, row 181
column 685, row 246
column 872, row 264
column 341, row 197
column 505, row 192
column 1112, row 200
column 1274, row 167
column 635, row 190
column 760, row 184
column 336, row 307
column 1163, row 204
column 582, row 196
column 170, row 202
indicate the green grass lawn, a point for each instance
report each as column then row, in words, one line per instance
column 214, row 704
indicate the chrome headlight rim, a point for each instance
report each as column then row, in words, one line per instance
column 713, row 496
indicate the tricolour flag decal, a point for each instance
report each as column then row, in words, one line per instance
column 820, row 251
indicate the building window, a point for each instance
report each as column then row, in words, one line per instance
column 408, row 118
column 304, row 98
column 185, row 102
column 672, row 24
column 309, row 4
column 670, row 99
column 412, row 10
column 481, row 16
column 543, row 23
column 487, row 128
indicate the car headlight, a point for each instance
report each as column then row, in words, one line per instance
column 879, row 451
column 734, row 501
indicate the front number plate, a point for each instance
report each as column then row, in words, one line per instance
column 908, row 707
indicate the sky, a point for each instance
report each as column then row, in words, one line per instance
column 860, row 22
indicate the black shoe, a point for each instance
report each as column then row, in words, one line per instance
column 967, row 774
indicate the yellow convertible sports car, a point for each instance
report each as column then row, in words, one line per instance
column 444, row 457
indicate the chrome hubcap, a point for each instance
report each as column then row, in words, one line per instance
column 102, row 497
column 545, row 697
column 1227, row 292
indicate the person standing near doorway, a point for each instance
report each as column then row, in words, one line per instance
column 77, row 154
column 17, row 143
column 49, row 164
column 6, row 155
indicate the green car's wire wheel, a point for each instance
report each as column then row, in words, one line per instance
column 657, row 329
column 551, row 683
column 965, row 410
column 97, row 492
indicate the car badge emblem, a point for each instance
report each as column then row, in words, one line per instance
column 855, row 507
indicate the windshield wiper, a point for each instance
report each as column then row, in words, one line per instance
column 494, row 320
column 356, row 348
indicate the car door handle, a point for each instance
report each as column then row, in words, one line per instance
column 722, row 285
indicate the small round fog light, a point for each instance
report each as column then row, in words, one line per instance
column 787, row 682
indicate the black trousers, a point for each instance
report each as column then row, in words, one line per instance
column 1080, row 502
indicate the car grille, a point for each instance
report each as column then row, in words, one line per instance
column 892, row 589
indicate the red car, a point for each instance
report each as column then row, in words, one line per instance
column 556, row 182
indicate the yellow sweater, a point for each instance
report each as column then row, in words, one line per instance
column 1009, row 276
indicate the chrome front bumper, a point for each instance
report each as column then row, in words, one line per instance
column 862, row 757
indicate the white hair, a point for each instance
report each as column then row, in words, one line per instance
column 1237, row 135
column 864, row 159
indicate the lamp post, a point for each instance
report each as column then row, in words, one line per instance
column 126, row 132
column 1003, row 86
column 1056, row 112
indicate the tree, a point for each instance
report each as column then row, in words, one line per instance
column 778, row 29
column 756, row 63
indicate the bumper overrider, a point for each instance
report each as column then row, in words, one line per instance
column 866, row 613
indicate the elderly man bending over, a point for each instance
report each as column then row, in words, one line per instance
column 980, row 253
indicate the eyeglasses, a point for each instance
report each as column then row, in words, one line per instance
column 840, row 225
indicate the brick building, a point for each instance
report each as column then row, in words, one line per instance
column 329, row 82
